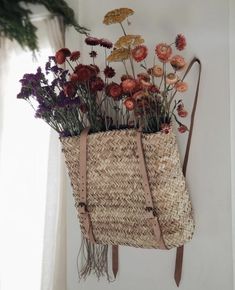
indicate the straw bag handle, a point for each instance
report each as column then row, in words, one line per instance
column 180, row 250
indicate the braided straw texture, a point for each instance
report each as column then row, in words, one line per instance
column 115, row 195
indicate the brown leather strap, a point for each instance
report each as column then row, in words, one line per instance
column 82, row 206
column 179, row 264
column 115, row 260
column 180, row 250
column 150, row 211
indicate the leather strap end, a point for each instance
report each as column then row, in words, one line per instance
column 178, row 265
column 115, row 260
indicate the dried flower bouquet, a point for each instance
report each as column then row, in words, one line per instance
column 70, row 99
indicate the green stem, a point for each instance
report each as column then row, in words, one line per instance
column 122, row 28
column 124, row 63
column 132, row 65
column 69, row 64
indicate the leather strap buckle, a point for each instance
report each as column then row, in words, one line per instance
column 82, row 207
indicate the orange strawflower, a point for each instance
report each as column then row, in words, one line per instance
column 128, row 85
column 181, row 87
column 178, row 62
column 130, row 104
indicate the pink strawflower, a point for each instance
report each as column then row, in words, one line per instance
column 163, row 52
column 139, row 53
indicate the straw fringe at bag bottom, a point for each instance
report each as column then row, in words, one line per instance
column 93, row 259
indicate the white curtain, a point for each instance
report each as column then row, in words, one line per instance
column 54, row 252
column 32, row 176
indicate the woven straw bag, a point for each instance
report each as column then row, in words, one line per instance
column 116, row 199
column 130, row 189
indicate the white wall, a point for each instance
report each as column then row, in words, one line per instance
column 208, row 258
column 232, row 113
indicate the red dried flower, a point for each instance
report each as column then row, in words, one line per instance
column 94, row 70
column 92, row 41
column 83, row 72
column 128, row 85
column 114, row 90
column 74, row 78
column 180, row 42
column 153, row 89
column 126, row 77
column 69, row 89
column 106, row 43
column 139, row 53
column 61, row 55
column 181, row 111
column 75, row 55
column 109, row 72
column 180, row 107
column 129, row 104
column 182, row 128
column 97, row 84
column 165, row 128
column 163, row 52
column 93, row 54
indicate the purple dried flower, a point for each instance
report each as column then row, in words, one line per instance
column 41, row 111
column 63, row 101
column 25, row 93
column 63, row 77
column 55, row 69
column 55, row 82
